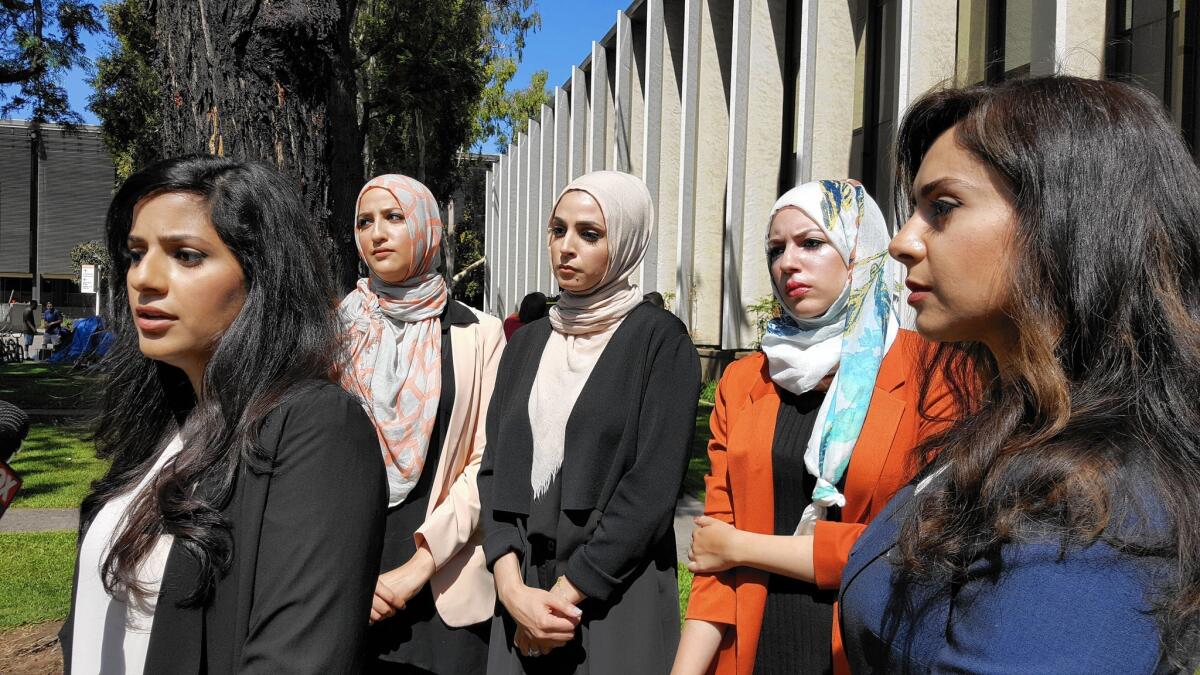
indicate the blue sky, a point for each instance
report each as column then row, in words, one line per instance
column 564, row 40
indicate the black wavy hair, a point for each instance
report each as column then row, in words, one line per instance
column 283, row 339
column 1093, row 431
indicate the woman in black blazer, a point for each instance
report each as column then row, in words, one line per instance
column 588, row 436
column 238, row 528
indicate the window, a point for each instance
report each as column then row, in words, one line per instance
column 1154, row 44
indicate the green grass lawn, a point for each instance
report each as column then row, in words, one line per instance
column 685, row 590
column 57, row 464
column 35, row 576
column 693, row 480
column 44, row 385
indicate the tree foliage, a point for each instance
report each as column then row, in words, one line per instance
column 126, row 88
column 39, row 42
column 426, row 80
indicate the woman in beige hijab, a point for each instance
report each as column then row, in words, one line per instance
column 588, row 437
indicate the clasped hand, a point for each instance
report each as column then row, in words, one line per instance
column 714, row 546
column 545, row 620
column 394, row 589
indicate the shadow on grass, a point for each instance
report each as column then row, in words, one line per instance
column 49, row 386
column 57, row 464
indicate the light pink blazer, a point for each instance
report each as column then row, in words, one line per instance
column 463, row 590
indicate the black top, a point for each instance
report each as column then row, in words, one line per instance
column 415, row 635
column 627, row 445
column 28, row 319
column 798, row 617
column 305, row 553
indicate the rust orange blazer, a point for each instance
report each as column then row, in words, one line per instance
column 739, row 487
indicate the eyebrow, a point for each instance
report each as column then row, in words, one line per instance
column 944, row 181
column 170, row 239
column 584, row 223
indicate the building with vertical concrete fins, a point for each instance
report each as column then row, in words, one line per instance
column 721, row 105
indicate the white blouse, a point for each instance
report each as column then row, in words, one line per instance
column 111, row 634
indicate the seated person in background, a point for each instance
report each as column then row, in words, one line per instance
column 533, row 307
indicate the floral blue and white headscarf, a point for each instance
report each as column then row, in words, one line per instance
column 851, row 337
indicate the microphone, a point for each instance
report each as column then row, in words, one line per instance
column 14, row 426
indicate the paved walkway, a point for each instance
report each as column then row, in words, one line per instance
column 39, row 520
column 686, row 509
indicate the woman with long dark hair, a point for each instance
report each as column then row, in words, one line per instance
column 588, row 438
column 424, row 365
column 238, row 527
column 1052, row 248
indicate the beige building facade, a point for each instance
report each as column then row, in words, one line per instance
column 722, row 105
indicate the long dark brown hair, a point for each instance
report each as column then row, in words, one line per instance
column 282, row 340
column 1096, row 422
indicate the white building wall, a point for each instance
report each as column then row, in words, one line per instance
column 720, row 105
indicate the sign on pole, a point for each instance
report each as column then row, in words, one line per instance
column 87, row 279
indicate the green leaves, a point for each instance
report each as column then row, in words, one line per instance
column 39, row 42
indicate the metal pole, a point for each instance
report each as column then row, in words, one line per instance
column 35, row 141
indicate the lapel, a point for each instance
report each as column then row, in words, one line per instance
column 751, row 436
column 468, row 373
column 879, row 538
column 873, row 450
column 177, row 636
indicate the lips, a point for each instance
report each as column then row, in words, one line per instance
column 152, row 319
column 382, row 252
column 796, row 289
column 918, row 291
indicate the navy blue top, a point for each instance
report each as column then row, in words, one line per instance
column 1031, row 613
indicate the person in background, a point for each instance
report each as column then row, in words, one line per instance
column 655, row 298
column 238, row 526
column 1052, row 247
column 29, row 326
column 810, row 438
column 532, row 308
column 588, row 439
column 52, row 321
column 423, row 365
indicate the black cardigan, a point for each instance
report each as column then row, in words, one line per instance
column 306, row 546
column 627, row 444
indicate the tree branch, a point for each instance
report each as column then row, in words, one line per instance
column 465, row 271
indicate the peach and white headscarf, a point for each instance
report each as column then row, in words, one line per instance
column 393, row 358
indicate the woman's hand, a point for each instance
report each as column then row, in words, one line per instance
column 395, row 588
column 544, row 620
column 544, row 617
column 714, row 546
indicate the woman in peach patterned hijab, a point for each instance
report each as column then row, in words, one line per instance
column 424, row 366
column 393, row 329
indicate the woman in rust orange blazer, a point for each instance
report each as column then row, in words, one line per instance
column 810, row 438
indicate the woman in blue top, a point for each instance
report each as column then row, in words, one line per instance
column 1053, row 249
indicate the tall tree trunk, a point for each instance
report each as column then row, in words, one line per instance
column 269, row 80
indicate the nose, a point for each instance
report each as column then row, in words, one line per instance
column 148, row 276
column 790, row 259
column 378, row 235
column 908, row 246
column 567, row 244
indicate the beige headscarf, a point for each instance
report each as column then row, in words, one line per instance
column 629, row 217
column 584, row 323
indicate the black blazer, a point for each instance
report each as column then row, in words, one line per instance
column 306, row 546
column 627, row 442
